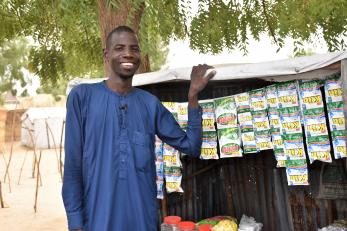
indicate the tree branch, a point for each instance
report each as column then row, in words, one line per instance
column 17, row 15
column 268, row 21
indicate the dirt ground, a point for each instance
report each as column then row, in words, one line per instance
column 20, row 214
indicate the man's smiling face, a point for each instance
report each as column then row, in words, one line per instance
column 123, row 54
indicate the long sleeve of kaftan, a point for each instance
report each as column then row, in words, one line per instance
column 72, row 191
column 170, row 132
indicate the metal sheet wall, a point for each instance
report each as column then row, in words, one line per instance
column 250, row 185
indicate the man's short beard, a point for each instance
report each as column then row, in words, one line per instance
column 125, row 77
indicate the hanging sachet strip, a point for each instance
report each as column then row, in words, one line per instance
column 316, row 130
column 209, row 134
column 333, row 94
column 245, row 120
column 227, row 129
column 275, row 125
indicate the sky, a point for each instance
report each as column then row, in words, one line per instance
column 33, row 82
column 180, row 55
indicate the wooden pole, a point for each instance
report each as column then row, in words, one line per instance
column 34, row 150
column 8, row 174
column 54, row 143
column 47, row 134
column 344, row 95
column 30, row 130
column 12, row 141
column 33, row 169
column 35, row 155
column 1, row 198
column 38, row 176
column 21, row 169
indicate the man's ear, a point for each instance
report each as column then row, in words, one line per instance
column 105, row 54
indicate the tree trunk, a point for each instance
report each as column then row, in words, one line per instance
column 111, row 18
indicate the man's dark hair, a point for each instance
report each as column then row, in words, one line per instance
column 118, row 29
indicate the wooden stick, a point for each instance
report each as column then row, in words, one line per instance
column 33, row 143
column 35, row 163
column 34, row 150
column 1, row 198
column 54, row 143
column 41, row 181
column 33, row 168
column 8, row 174
column 21, row 169
column 37, row 181
column 3, row 156
column 48, row 143
column 12, row 141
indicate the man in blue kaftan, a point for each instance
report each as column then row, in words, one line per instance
column 109, row 176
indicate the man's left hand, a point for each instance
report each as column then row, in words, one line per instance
column 198, row 80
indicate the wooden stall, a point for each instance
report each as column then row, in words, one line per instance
column 253, row 185
column 10, row 120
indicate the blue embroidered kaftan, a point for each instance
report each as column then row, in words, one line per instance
column 109, row 178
